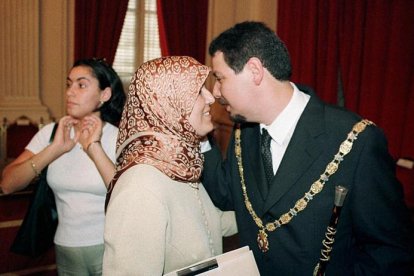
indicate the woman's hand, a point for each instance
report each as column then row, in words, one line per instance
column 90, row 131
column 90, row 139
column 63, row 140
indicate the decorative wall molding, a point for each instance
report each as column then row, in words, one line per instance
column 35, row 50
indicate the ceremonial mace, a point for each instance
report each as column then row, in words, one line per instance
column 327, row 243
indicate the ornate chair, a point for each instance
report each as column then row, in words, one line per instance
column 17, row 135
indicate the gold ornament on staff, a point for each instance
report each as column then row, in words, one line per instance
column 328, row 241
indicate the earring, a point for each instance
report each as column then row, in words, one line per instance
column 101, row 104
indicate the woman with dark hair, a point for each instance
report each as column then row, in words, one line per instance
column 81, row 164
column 110, row 110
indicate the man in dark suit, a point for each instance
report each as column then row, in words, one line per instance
column 314, row 147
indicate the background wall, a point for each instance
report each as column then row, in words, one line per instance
column 36, row 49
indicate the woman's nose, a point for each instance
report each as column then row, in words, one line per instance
column 209, row 98
column 69, row 90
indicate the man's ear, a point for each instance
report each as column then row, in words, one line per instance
column 106, row 94
column 256, row 68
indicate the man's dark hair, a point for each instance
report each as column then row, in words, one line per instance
column 253, row 39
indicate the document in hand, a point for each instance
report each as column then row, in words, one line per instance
column 237, row 262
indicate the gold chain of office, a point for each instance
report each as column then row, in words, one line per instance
column 315, row 188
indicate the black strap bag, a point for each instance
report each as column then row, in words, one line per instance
column 35, row 235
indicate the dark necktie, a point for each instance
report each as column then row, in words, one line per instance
column 267, row 155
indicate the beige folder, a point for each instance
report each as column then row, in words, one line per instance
column 237, row 262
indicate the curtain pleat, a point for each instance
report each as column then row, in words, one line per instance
column 370, row 45
column 309, row 30
column 98, row 26
column 378, row 57
column 183, row 27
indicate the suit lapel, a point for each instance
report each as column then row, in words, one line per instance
column 302, row 151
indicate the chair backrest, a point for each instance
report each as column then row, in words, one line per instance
column 18, row 135
column 3, row 127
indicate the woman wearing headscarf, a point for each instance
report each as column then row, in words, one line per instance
column 159, row 217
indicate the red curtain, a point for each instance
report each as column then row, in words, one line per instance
column 377, row 59
column 309, row 28
column 370, row 44
column 98, row 26
column 377, row 62
column 183, row 27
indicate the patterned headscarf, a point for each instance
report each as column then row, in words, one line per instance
column 154, row 128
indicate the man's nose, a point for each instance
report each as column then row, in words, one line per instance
column 216, row 90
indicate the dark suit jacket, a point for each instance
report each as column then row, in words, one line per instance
column 374, row 234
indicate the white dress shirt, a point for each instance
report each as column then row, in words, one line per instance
column 282, row 128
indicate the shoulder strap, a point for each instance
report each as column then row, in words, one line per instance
column 44, row 171
column 53, row 132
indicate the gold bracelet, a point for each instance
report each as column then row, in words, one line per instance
column 37, row 173
column 93, row 142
